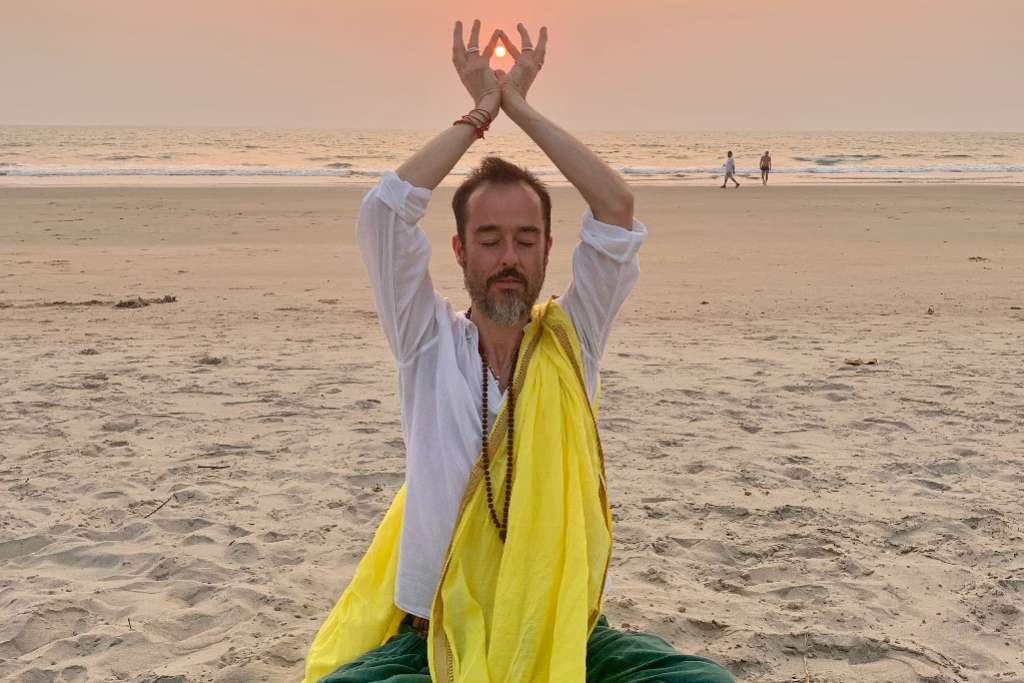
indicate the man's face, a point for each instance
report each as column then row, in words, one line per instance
column 505, row 254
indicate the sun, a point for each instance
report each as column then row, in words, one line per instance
column 500, row 51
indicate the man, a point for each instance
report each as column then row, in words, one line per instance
column 766, row 167
column 491, row 563
column 730, row 170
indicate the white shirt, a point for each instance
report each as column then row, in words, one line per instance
column 438, row 360
column 730, row 165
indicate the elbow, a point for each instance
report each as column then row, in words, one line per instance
column 626, row 203
column 619, row 210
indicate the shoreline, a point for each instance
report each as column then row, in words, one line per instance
column 194, row 182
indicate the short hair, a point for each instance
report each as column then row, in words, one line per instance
column 730, row 152
column 499, row 172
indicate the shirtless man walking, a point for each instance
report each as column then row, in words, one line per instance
column 766, row 167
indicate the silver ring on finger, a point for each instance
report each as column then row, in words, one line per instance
column 527, row 48
column 472, row 50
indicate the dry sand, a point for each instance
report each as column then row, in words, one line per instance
column 186, row 487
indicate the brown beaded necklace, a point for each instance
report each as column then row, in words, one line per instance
column 501, row 524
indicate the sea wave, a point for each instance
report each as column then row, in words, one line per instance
column 239, row 171
column 344, row 170
column 658, row 171
column 338, row 156
column 835, row 159
column 966, row 168
column 132, row 157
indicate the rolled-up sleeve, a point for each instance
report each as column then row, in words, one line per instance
column 605, row 266
column 397, row 257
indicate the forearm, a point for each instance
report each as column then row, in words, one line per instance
column 608, row 195
column 429, row 166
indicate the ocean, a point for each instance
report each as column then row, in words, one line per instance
column 205, row 156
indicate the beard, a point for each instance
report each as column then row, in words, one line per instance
column 505, row 307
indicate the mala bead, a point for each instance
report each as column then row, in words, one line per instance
column 500, row 523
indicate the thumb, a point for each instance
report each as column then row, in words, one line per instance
column 500, row 74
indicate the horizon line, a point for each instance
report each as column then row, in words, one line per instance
column 428, row 130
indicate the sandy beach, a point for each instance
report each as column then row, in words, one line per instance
column 812, row 415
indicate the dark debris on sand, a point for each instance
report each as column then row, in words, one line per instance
column 139, row 302
column 133, row 302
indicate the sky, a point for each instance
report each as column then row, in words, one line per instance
column 611, row 65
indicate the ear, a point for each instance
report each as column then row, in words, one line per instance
column 547, row 250
column 459, row 249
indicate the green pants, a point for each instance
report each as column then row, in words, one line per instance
column 612, row 657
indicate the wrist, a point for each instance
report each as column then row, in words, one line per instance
column 491, row 102
column 479, row 119
column 514, row 104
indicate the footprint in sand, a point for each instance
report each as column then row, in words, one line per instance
column 44, row 626
column 21, row 547
column 243, row 553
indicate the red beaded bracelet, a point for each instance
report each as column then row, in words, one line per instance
column 479, row 127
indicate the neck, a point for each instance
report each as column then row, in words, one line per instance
column 499, row 343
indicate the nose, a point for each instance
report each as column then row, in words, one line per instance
column 509, row 255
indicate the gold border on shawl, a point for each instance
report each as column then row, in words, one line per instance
column 563, row 338
column 437, row 637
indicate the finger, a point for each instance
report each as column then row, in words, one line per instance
column 458, row 46
column 512, row 49
column 491, row 44
column 474, row 35
column 527, row 43
column 542, row 43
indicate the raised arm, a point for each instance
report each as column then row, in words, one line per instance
column 603, row 189
column 396, row 251
column 429, row 166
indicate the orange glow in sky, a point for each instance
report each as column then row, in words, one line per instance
column 610, row 65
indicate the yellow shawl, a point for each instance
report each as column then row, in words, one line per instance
column 520, row 610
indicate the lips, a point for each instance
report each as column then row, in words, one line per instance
column 507, row 279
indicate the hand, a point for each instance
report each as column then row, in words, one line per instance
column 529, row 61
column 474, row 68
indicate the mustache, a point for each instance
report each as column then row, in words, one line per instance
column 508, row 273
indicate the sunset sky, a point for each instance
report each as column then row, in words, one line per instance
column 623, row 65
